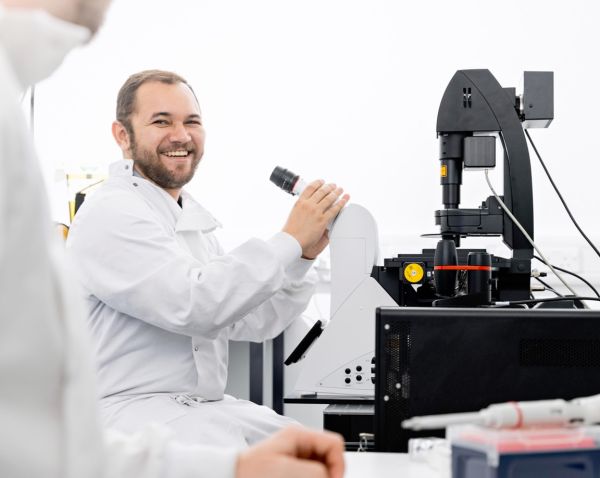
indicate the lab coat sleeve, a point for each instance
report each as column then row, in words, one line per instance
column 153, row 454
column 128, row 260
column 274, row 315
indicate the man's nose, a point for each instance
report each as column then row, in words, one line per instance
column 179, row 134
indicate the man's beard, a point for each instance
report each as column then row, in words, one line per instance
column 150, row 165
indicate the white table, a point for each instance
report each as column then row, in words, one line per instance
column 383, row 465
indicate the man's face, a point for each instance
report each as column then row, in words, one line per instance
column 168, row 137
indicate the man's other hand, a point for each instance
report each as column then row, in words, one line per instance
column 294, row 453
column 316, row 207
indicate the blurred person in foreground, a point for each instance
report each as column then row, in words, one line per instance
column 48, row 410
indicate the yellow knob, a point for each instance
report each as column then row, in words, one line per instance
column 413, row 273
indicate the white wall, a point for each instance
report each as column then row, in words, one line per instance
column 346, row 90
column 342, row 89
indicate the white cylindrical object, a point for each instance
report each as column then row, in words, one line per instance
column 589, row 408
column 433, row 422
column 528, row 414
column 299, row 187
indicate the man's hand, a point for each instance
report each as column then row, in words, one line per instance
column 294, row 453
column 318, row 204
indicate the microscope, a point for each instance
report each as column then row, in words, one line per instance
column 427, row 338
column 474, row 113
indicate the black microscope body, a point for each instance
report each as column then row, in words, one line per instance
column 475, row 110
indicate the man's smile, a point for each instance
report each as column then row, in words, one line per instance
column 179, row 153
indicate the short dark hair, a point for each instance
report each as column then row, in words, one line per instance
column 127, row 94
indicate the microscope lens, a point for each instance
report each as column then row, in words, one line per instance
column 284, row 179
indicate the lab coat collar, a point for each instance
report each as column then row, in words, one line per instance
column 123, row 167
column 190, row 217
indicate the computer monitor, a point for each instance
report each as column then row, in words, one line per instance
column 433, row 360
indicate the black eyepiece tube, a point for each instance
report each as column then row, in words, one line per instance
column 451, row 157
column 284, row 179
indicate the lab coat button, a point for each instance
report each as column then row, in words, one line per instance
column 196, row 348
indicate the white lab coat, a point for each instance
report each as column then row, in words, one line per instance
column 164, row 300
column 48, row 410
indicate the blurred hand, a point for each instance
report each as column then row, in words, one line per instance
column 318, row 204
column 294, row 453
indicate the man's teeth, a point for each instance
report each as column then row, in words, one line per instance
column 176, row 153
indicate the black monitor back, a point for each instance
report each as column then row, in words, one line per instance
column 433, row 360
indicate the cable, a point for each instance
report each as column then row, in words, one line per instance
column 32, row 110
column 544, row 299
column 547, row 286
column 518, row 224
column 560, row 195
column 573, row 274
column 90, row 186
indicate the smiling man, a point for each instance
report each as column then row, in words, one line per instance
column 166, row 149
column 163, row 298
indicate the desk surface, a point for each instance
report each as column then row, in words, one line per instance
column 384, row 465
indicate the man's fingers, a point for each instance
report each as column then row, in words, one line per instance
column 331, row 452
column 330, row 198
column 316, row 207
column 335, row 209
column 312, row 188
column 326, row 447
column 321, row 193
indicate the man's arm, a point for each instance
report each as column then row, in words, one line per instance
column 316, row 207
column 127, row 260
column 291, row 453
column 153, row 453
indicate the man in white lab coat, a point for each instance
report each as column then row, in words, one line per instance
column 48, row 410
column 163, row 298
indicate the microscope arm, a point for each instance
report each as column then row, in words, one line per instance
column 473, row 103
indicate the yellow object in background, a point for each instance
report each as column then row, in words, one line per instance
column 414, row 273
column 78, row 185
column 62, row 230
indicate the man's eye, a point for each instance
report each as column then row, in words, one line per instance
column 194, row 122
column 160, row 122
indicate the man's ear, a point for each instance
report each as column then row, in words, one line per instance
column 122, row 138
